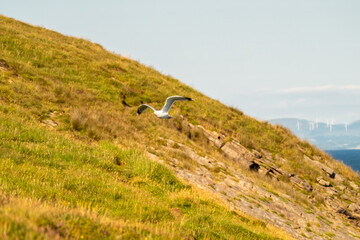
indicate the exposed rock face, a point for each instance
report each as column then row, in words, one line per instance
column 353, row 185
column 334, row 205
column 300, row 183
column 242, row 193
column 323, row 167
column 342, row 188
column 237, row 152
column 266, row 154
column 329, row 171
column 322, row 182
column 216, row 139
column 257, row 154
column 234, row 189
column 355, row 207
column 276, row 172
column 339, row 178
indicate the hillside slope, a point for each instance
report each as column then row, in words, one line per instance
column 77, row 161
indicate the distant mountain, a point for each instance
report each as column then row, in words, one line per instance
column 326, row 136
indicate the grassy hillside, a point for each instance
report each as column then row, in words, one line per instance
column 73, row 152
column 57, row 186
column 72, row 161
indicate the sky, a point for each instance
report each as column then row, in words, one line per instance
column 270, row 59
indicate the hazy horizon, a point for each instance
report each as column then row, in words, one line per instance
column 269, row 59
column 316, row 120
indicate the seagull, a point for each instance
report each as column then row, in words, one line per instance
column 164, row 112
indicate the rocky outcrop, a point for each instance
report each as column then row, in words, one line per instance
column 355, row 208
column 266, row 154
column 322, row 182
column 241, row 192
column 300, row 183
column 330, row 172
column 354, row 185
column 241, row 156
column 334, row 205
column 216, row 139
column 237, row 152
column 339, row 178
column 257, row 154
column 276, row 172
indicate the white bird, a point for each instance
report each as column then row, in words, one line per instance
column 164, row 112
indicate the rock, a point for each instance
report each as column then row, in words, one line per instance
column 345, row 197
column 262, row 170
column 254, row 166
column 348, row 214
column 354, row 185
column 322, row 182
column 214, row 138
column 331, row 191
column 266, row 154
column 339, row 177
column 242, row 193
column 275, row 172
column 354, row 207
column 241, row 155
column 54, row 114
column 323, row 167
column 49, row 123
column 154, row 157
column 329, row 171
column 257, row 154
column 237, row 152
column 280, row 159
column 317, row 158
column 4, row 65
column 334, row 204
column 342, row 187
column 300, row 183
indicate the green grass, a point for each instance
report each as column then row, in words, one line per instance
column 330, row 234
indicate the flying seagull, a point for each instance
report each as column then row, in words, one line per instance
column 164, row 112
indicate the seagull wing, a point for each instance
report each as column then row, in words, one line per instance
column 170, row 101
column 143, row 107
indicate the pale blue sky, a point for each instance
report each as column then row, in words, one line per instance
column 268, row 58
